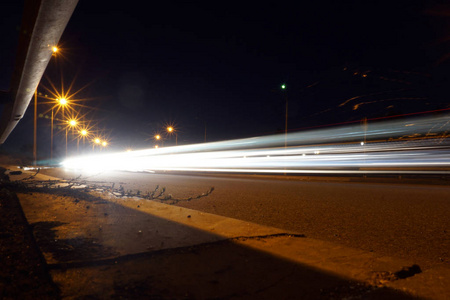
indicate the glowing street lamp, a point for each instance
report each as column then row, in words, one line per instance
column 104, row 143
column 60, row 103
column 157, row 137
column 83, row 133
column 54, row 50
column 71, row 123
column 96, row 141
column 171, row 130
column 283, row 88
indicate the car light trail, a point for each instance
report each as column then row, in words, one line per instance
column 405, row 146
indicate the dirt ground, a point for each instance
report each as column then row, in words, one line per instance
column 23, row 271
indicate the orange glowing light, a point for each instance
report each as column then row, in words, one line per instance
column 62, row 101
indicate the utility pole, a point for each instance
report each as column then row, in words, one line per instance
column 35, row 129
column 283, row 87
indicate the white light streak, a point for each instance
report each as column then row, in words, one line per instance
column 389, row 147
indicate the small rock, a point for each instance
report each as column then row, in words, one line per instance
column 189, row 216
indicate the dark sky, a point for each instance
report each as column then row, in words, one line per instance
column 220, row 65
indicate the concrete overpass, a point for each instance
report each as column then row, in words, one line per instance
column 43, row 23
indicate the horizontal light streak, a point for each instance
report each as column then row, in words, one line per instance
column 335, row 150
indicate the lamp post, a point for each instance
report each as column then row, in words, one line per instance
column 82, row 134
column 35, row 129
column 171, row 130
column 61, row 103
column 71, row 123
column 54, row 50
column 283, row 88
column 158, row 138
column 97, row 141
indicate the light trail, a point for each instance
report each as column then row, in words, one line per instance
column 408, row 146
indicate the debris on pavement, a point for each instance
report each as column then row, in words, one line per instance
column 78, row 183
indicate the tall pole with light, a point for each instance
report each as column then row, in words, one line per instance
column 60, row 103
column 283, row 88
column 82, row 134
column 97, row 141
column 158, row 138
column 54, row 50
column 171, row 130
column 71, row 124
column 35, row 129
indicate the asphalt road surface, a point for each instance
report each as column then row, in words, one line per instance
column 396, row 219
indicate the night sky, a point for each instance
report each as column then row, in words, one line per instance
column 219, row 66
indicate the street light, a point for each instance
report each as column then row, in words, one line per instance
column 82, row 134
column 54, row 50
column 96, row 141
column 171, row 130
column 283, row 88
column 60, row 104
column 71, row 123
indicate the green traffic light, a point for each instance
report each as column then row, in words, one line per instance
column 283, row 86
